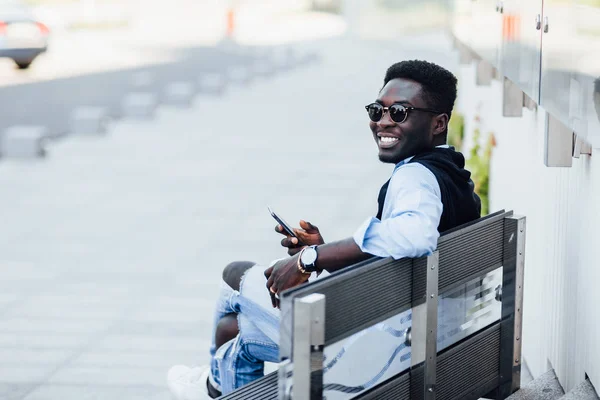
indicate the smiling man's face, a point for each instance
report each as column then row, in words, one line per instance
column 397, row 141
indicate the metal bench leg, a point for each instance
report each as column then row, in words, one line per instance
column 301, row 375
column 424, row 334
column 512, row 306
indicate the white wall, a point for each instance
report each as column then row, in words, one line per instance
column 562, row 206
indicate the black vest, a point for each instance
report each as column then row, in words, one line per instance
column 461, row 203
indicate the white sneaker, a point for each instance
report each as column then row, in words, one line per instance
column 188, row 383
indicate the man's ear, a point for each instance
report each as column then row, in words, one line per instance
column 440, row 124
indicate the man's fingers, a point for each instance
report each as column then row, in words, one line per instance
column 279, row 229
column 303, row 235
column 308, row 227
column 274, row 292
column 289, row 242
column 292, row 251
column 270, row 282
column 309, row 237
column 268, row 272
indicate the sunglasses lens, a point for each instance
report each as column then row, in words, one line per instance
column 375, row 112
column 397, row 113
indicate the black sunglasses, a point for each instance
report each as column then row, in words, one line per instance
column 398, row 112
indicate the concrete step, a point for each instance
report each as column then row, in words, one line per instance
column 583, row 391
column 545, row 387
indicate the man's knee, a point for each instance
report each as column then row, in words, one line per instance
column 233, row 272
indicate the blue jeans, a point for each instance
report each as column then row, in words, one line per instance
column 241, row 360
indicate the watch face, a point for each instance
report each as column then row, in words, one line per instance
column 309, row 256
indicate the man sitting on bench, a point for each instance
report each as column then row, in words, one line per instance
column 429, row 192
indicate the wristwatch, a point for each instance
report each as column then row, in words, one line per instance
column 308, row 259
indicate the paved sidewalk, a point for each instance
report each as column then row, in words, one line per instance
column 113, row 246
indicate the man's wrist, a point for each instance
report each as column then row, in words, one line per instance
column 299, row 264
column 339, row 254
column 316, row 267
column 307, row 259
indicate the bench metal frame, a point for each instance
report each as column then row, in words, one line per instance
column 486, row 363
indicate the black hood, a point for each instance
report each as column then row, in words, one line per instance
column 448, row 160
column 461, row 204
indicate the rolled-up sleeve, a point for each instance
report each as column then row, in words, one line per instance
column 411, row 215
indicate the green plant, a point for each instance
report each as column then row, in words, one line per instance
column 479, row 157
column 456, row 130
column 478, row 163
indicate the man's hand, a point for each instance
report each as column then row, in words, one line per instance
column 309, row 235
column 283, row 275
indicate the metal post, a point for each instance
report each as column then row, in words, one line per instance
column 519, row 283
column 308, row 341
column 512, row 306
column 423, row 333
column 284, row 379
column 285, row 348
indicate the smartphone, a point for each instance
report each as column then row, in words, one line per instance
column 280, row 221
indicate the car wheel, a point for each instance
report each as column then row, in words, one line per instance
column 23, row 64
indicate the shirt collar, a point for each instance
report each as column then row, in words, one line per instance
column 401, row 163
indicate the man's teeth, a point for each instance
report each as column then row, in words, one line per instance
column 385, row 139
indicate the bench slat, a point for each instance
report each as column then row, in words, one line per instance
column 470, row 254
column 264, row 388
column 360, row 297
column 459, row 370
column 465, row 253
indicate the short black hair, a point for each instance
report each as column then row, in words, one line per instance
column 439, row 84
